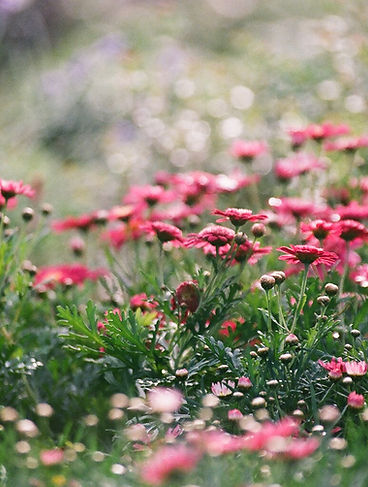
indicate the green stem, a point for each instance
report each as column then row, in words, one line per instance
column 299, row 307
column 269, row 322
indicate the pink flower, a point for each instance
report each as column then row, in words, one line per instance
column 307, row 254
column 297, row 164
column 238, row 216
column 162, row 400
column 296, row 207
column 250, row 252
column 352, row 211
column 300, row 448
column 82, row 222
column 335, row 368
column 248, row 150
column 234, row 414
column 123, row 213
column 215, row 442
column 157, row 469
column 259, row 439
column 220, row 389
column 148, row 195
column 213, row 234
column 316, row 132
column 356, row 369
column 319, row 229
column 350, row 229
column 9, row 189
column 348, row 144
column 143, row 302
column 123, row 233
column 164, row 232
column 73, row 274
column 355, row 401
column 244, row 383
column 51, row 457
column 360, row 275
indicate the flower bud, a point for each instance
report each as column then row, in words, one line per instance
column 181, row 373
column 262, row 351
column 240, row 238
column 101, row 217
column 279, row 276
column 286, row 357
column 292, row 339
column 354, row 332
column 267, row 282
column 323, row 300
column 27, row 214
column 46, row 209
column 187, row 294
column 258, row 230
column 331, row 289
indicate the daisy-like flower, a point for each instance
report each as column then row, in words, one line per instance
column 296, row 207
column 356, row 369
column 167, row 460
column 221, row 389
column 250, row 252
column 319, row 229
column 316, row 132
column 335, row 367
column 187, row 295
column 300, row 448
column 349, row 230
column 234, row 414
column 122, row 213
column 124, row 232
column 9, row 189
column 73, row 274
column 143, row 302
column 352, row 211
column 248, row 150
column 163, row 400
column 350, row 144
column 164, row 232
column 213, row 234
column 355, row 401
column 238, row 216
column 360, row 275
column 307, row 254
column 148, row 195
column 82, row 222
column 296, row 165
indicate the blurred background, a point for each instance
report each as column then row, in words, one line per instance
column 95, row 96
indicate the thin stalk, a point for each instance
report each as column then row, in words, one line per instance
column 345, row 271
column 299, row 306
column 269, row 322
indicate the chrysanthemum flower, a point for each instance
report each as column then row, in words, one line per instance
column 82, row 222
column 350, row 144
column 187, row 295
column 143, row 302
column 307, row 254
column 296, row 207
column 248, row 150
column 164, row 232
column 356, row 369
column 355, row 401
column 349, row 230
column 360, row 275
column 221, row 389
column 9, row 189
column 296, row 165
column 213, row 234
column 335, row 367
column 319, row 229
column 168, row 459
column 74, row 274
column 149, row 195
column 238, row 216
column 164, row 400
column 352, row 211
column 316, row 132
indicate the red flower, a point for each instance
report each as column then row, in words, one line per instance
column 335, row 368
column 294, row 206
column 352, row 211
column 142, row 302
column 213, row 234
column 297, row 164
column 250, row 252
column 307, row 254
column 9, row 189
column 66, row 274
column 248, row 150
column 238, row 216
column 164, row 232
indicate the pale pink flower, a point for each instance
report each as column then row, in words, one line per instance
column 163, row 400
column 220, row 389
column 356, row 369
column 234, row 414
column 51, row 457
column 244, row 383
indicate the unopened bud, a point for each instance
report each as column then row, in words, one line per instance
column 331, row 289
column 46, row 209
column 279, row 276
column 240, row 238
column 27, row 214
column 267, row 282
column 323, row 300
column 292, row 339
column 286, row 357
column 258, row 230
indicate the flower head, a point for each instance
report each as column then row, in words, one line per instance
column 355, row 401
column 187, row 294
column 9, row 189
column 350, row 229
column 221, row 389
column 74, row 274
column 248, row 150
column 238, row 216
column 319, row 229
column 307, row 254
column 163, row 400
column 296, row 165
column 348, row 144
column 356, row 369
column 165, row 232
column 213, row 234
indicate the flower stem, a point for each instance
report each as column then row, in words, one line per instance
column 345, row 271
column 269, row 322
column 299, row 307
